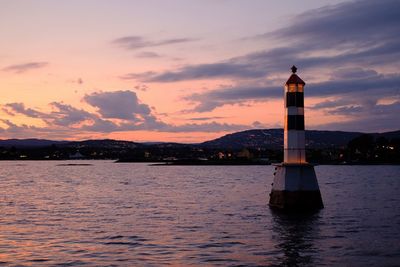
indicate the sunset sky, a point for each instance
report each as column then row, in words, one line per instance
column 190, row 71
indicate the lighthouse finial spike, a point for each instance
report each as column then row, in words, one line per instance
column 294, row 69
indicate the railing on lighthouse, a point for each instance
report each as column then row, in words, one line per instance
column 294, row 134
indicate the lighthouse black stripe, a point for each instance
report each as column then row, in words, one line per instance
column 295, row 122
column 295, row 99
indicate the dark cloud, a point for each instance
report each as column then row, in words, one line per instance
column 355, row 24
column 353, row 73
column 118, row 105
column 210, row 100
column 372, row 86
column 21, row 68
column 251, row 66
column 376, row 86
column 266, row 63
column 137, row 42
column 216, row 70
column 332, row 103
column 358, row 33
column 347, row 110
column 372, row 118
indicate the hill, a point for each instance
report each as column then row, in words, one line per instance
column 30, row 143
column 273, row 139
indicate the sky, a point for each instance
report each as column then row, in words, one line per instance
column 190, row 71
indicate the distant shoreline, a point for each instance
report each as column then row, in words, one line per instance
column 238, row 163
column 250, row 147
column 189, row 163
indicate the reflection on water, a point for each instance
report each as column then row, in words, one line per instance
column 294, row 235
column 107, row 214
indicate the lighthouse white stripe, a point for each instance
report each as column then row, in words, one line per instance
column 294, row 139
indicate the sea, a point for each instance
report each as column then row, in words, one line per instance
column 101, row 213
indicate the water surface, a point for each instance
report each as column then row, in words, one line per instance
column 108, row 214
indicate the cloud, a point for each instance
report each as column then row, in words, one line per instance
column 147, row 54
column 347, row 110
column 207, row 127
column 267, row 63
column 355, row 24
column 206, row 118
column 78, row 81
column 14, row 130
column 21, row 68
column 152, row 124
column 136, row 42
column 205, row 71
column 376, row 86
column 369, row 86
column 118, row 105
column 365, row 118
column 141, row 87
column 210, row 100
column 251, row 66
column 137, row 76
column 357, row 33
column 332, row 103
column 353, row 73
column 28, row 131
column 62, row 114
column 101, row 126
column 19, row 108
column 67, row 115
column 117, row 111
column 125, row 105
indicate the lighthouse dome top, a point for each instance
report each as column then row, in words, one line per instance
column 294, row 79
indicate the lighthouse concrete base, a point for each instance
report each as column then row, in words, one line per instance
column 295, row 187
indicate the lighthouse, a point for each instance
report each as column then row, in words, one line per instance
column 295, row 185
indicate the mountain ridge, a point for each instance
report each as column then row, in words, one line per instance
column 273, row 138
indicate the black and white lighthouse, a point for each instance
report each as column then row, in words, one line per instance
column 295, row 183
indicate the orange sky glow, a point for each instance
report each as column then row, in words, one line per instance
column 180, row 72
